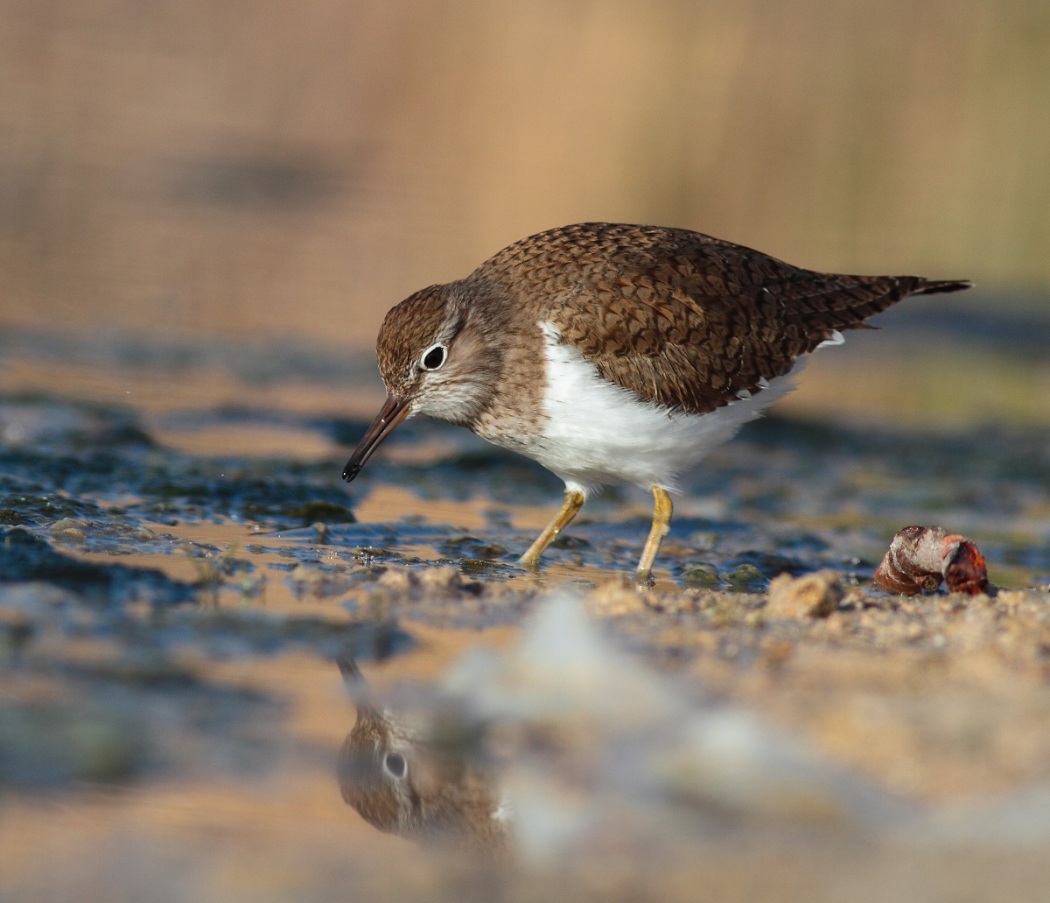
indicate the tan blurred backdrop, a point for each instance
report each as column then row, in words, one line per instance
column 254, row 170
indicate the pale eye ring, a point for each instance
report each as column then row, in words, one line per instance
column 434, row 357
column 395, row 765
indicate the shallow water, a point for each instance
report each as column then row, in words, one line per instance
column 182, row 567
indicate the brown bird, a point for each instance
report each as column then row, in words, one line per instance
column 421, row 783
column 615, row 353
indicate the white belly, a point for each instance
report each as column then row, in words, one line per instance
column 597, row 432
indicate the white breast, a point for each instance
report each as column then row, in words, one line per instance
column 597, row 432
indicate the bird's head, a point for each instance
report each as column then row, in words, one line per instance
column 436, row 357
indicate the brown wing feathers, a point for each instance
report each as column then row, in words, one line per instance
column 683, row 319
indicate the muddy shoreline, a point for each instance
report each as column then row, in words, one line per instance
column 180, row 574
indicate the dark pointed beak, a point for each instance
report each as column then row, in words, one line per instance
column 394, row 410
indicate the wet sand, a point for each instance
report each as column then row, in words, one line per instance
column 183, row 568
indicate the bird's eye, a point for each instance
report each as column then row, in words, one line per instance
column 395, row 765
column 434, row 357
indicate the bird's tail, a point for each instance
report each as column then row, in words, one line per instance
column 931, row 287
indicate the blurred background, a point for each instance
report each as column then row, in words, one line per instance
column 188, row 171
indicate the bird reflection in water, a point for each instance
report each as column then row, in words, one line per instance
column 426, row 783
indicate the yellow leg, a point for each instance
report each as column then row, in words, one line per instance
column 662, row 510
column 569, row 509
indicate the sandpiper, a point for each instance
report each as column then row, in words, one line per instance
column 422, row 781
column 615, row 353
